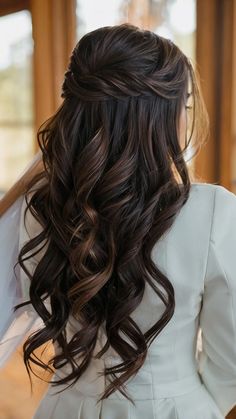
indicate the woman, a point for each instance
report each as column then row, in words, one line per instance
column 120, row 259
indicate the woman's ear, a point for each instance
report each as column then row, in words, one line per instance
column 19, row 187
column 182, row 127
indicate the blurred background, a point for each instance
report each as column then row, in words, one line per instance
column 36, row 40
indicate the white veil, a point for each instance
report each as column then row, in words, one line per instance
column 14, row 326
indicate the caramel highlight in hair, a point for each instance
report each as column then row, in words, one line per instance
column 115, row 178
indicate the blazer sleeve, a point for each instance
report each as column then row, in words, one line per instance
column 14, row 286
column 217, row 359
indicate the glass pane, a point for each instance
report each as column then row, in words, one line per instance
column 16, row 99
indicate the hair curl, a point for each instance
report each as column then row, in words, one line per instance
column 115, row 178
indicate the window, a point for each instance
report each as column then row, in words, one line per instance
column 16, row 101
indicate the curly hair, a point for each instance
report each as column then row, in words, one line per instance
column 114, row 179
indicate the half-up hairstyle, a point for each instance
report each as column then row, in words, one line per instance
column 114, row 179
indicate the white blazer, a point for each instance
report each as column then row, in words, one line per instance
column 190, row 370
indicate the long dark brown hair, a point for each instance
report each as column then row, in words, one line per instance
column 115, row 177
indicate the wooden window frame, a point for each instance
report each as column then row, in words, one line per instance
column 215, row 56
column 13, row 6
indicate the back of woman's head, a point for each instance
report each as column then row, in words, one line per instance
column 115, row 178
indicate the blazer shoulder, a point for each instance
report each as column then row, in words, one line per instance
column 201, row 197
column 210, row 187
column 204, row 186
column 219, row 193
column 212, row 192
